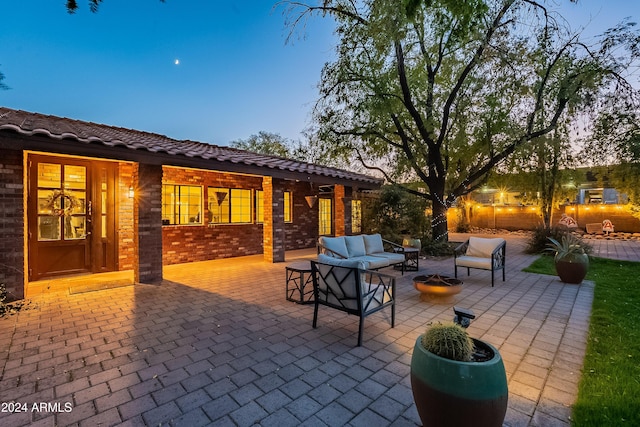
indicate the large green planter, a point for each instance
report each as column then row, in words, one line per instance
column 451, row 393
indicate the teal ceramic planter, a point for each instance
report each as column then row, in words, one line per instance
column 451, row 393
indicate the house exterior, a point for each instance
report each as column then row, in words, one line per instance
column 85, row 198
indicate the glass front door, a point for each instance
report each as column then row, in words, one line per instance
column 60, row 216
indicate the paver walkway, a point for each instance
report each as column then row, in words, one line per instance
column 218, row 344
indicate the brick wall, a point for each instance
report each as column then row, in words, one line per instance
column 147, row 218
column 303, row 231
column 273, row 237
column 189, row 243
column 124, row 228
column 12, row 222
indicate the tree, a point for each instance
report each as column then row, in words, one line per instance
column 447, row 91
column 309, row 150
column 72, row 5
column 265, row 143
column 2, row 85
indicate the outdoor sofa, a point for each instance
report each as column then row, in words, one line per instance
column 366, row 248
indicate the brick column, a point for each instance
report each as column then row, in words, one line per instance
column 147, row 223
column 273, row 228
column 342, row 202
column 12, row 223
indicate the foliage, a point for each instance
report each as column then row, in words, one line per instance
column 2, row 85
column 567, row 248
column 450, row 91
column 448, row 340
column 539, row 239
column 394, row 213
column 6, row 306
column 72, row 5
column 609, row 384
column 438, row 248
column 273, row 144
column 265, row 143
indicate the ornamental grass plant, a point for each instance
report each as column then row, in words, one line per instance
column 610, row 383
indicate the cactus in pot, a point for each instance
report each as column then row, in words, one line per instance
column 448, row 340
column 451, row 386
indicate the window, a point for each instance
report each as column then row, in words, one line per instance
column 229, row 206
column 288, row 207
column 61, row 202
column 356, row 216
column 259, row 206
column 181, row 204
column 324, row 217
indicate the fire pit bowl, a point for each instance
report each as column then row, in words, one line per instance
column 435, row 286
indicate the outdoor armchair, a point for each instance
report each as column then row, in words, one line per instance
column 481, row 253
column 353, row 290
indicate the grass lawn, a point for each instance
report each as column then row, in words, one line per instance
column 609, row 391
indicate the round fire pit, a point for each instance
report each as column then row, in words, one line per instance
column 435, row 286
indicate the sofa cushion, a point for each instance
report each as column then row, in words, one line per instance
column 373, row 243
column 335, row 244
column 338, row 262
column 391, row 257
column 481, row 247
column 355, row 245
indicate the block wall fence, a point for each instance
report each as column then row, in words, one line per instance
column 528, row 217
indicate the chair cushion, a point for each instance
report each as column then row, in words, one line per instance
column 336, row 244
column 349, row 263
column 373, row 243
column 373, row 262
column 481, row 247
column 474, row 262
column 355, row 245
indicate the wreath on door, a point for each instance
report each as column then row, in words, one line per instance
column 70, row 203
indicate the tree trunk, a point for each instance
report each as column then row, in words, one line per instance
column 439, row 220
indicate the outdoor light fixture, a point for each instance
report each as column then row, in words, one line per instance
column 311, row 200
column 131, row 193
column 220, row 196
column 463, row 316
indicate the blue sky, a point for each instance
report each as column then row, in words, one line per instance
column 235, row 77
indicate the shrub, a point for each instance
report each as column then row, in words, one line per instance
column 539, row 240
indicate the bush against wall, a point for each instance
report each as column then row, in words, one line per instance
column 395, row 213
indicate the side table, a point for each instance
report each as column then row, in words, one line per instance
column 411, row 259
column 299, row 282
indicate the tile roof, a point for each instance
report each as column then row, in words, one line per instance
column 59, row 128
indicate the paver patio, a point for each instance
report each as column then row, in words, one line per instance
column 218, row 344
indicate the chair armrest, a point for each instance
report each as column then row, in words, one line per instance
column 323, row 249
column 379, row 279
column 501, row 248
column 396, row 247
column 461, row 249
column 498, row 255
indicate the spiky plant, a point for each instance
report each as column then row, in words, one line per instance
column 448, row 340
